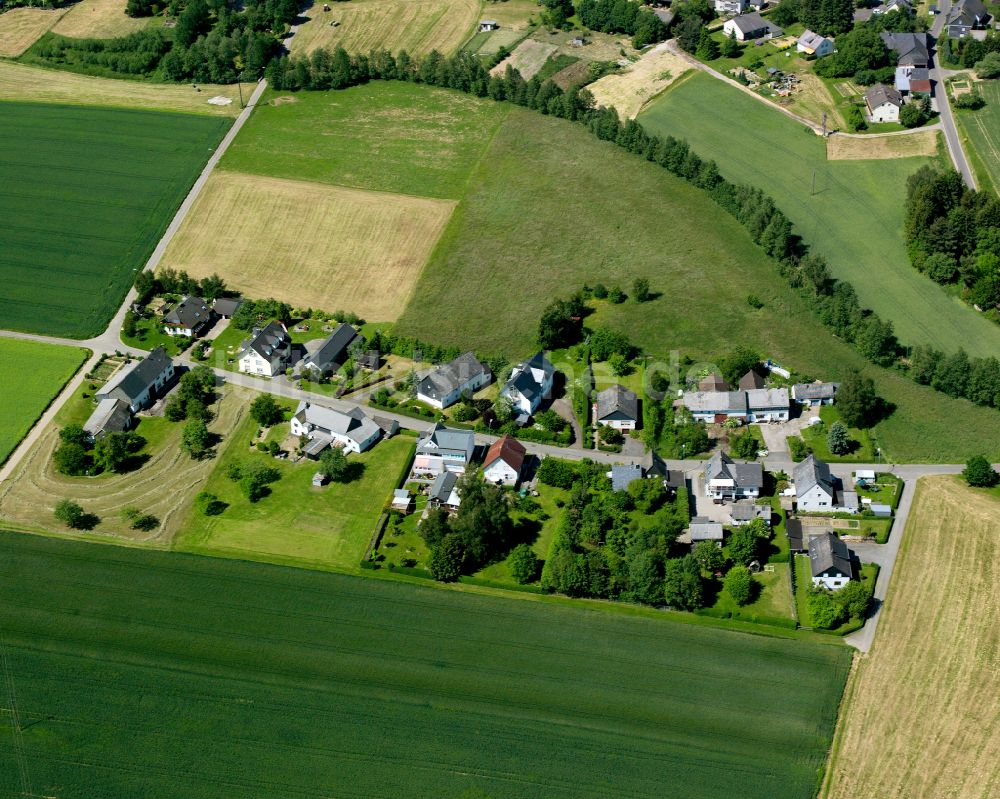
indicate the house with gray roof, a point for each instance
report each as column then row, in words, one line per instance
column 725, row 478
column 140, row 383
column 188, row 318
column 529, row 385
column 267, row 352
column 813, row 394
column 751, row 26
column 623, row 475
column 443, row 492
column 754, row 405
column 112, row 415
column 883, row 103
column 618, row 407
column 912, row 49
column 815, row 486
column 751, row 380
column 353, row 431
column 442, row 449
column 445, row 385
column 966, row 16
column 702, row 528
column 830, row 562
column 332, row 352
column 225, row 307
column 745, row 511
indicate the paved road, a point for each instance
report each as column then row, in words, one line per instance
column 937, row 75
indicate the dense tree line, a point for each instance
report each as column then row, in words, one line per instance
column 170, row 281
column 827, row 17
column 861, row 53
column 623, row 16
column 969, row 52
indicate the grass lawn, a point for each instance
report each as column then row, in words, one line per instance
column 926, row 693
column 851, row 212
column 149, row 335
column 200, row 677
column 39, row 372
column 981, row 130
column 863, row 450
column 384, row 136
column 86, row 194
column 774, row 600
column 296, row 524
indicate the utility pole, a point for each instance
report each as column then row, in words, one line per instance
column 239, row 85
column 824, row 124
column 812, row 191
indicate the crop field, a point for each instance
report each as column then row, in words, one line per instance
column 630, row 90
column 39, row 85
column 199, row 677
column 927, row 692
column 297, row 525
column 417, row 26
column 851, row 212
column 39, row 371
column 21, row 27
column 861, row 148
column 85, row 193
column 310, row 244
column 982, row 131
column 163, row 486
column 101, row 19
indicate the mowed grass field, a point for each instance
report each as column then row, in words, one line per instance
column 417, row 26
column 85, row 193
column 141, row 673
column 296, row 525
column 31, row 374
column 164, row 486
column 851, row 212
column 345, row 248
column 921, row 717
column 22, row 27
column 863, row 148
column 100, row 19
column 982, row 132
column 37, row 84
column 629, row 91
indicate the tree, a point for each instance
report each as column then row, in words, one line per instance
column 209, row 504
column 447, row 560
column 72, row 459
column 70, row 514
column 837, row 439
column 266, row 411
column 708, row 48
column 744, row 445
column 435, row 527
column 823, row 610
column 333, row 464
column 620, row 365
column 738, row 583
column 561, row 323
column 856, row 400
column 743, row 545
column 522, row 562
column 113, row 451
column 688, row 33
column 731, row 48
column 709, row 555
column 604, row 343
column 910, row 116
column 253, row 478
column 854, row 598
column 557, row 12
column 979, row 473
column 737, row 363
column 682, row 586
column 640, row 289
column 989, row 67
column 195, row 438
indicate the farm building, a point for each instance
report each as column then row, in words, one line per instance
column 726, row 479
column 445, row 385
column 913, row 80
column 747, row 27
column 332, row 352
column 745, row 511
column 112, row 415
column 140, row 383
column 443, row 449
column 881, row 510
column 267, row 352
column 813, row 44
column 703, row 529
column 326, row 427
column 488, row 25
column 530, row 383
column 883, row 103
column 402, row 501
column 830, row 562
column 504, row 460
column 618, row 407
column 188, row 318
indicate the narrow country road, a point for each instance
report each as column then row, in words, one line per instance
column 937, row 75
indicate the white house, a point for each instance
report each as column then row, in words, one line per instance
column 813, row 394
column 726, row 479
column 618, row 407
column 325, row 427
column 443, row 492
column 755, row 405
column 815, row 488
column 768, row 405
column 723, row 7
column 504, row 461
column 446, row 384
column 750, row 26
column 813, row 44
column 188, row 318
column 442, row 449
column 830, row 562
column 140, row 383
column 530, row 383
column 268, row 352
column 883, row 103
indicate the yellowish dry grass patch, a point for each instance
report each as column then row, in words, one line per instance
column 921, row 715
column 310, row 244
column 630, row 90
column 21, row 82
column 164, row 486
column 850, row 148
column 513, row 14
column 528, row 57
column 100, row 19
column 417, row 26
column 21, row 27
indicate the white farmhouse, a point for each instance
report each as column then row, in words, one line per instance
column 830, row 562
column 726, row 479
column 325, row 427
column 445, row 385
column 268, row 352
column 815, row 489
column 530, row 383
column 141, row 383
column 504, row 460
column 883, row 103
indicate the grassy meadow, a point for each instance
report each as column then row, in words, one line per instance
column 199, row 677
column 86, row 193
column 39, row 372
column 927, row 691
column 21, row 27
column 851, row 212
column 982, row 135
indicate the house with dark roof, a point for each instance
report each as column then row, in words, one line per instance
column 745, row 511
column 725, row 478
column 751, row 380
column 751, row 26
column 443, row 492
column 112, row 415
column 140, row 383
column 966, row 16
column 702, row 528
column 352, row 431
column 529, row 385
column 830, row 562
column 442, row 449
column 883, row 103
column 188, row 318
column 912, row 49
column 332, row 352
column 813, row 394
column 793, row 529
column 753, row 406
column 504, row 461
column 225, row 307
column 445, row 385
column 623, row 475
column 267, row 352
column 618, row 407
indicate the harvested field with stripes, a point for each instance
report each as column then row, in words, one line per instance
column 861, row 148
column 982, row 133
column 22, row 27
column 101, row 19
column 628, row 91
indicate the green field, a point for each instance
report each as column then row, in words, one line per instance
column 38, row 371
column 86, row 193
column 982, row 134
column 162, row 675
column 852, row 214
column 297, row 524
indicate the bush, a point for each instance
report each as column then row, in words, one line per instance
column 744, row 445
column 979, row 473
column 824, row 611
column 523, row 563
column 799, row 449
column 739, row 584
column 754, row 301
column 970, row 101
column 989, row 67
column 616, row 296
column 70, row 514
column 209, row 504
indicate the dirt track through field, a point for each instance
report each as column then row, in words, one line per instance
column 921, row 716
